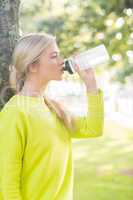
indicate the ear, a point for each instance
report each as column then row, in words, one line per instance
column 33, row 67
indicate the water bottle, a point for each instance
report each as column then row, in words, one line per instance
column 88, row 59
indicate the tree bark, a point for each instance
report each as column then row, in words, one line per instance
column 9, row 33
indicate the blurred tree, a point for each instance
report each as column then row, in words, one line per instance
column 9, row 31
column 80, row 25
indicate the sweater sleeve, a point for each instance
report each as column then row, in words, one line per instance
column 12, row 142
column 90, row 125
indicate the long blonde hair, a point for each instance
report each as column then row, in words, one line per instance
column 27, row 51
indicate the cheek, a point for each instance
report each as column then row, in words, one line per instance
column 48, row 68
column 52, row 66
column 52, row 62
column 49, row 62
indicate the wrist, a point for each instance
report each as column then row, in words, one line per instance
column 92, row 90
column 91, row 86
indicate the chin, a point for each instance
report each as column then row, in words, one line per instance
column 59, row 78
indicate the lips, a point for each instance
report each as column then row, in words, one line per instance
column 62, row 68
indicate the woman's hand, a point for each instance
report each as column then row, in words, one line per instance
column 88, row 77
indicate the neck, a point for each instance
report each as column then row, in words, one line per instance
column 32, row 88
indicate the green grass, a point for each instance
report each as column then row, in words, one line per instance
column 104, row 165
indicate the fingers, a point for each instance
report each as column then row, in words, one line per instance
column 76, row 67
column 75, row 54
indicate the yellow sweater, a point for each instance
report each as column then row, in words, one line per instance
column 36, row 149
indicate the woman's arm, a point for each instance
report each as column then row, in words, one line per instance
column 92, row 124
column 12, row 144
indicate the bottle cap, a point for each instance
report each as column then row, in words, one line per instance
column 68, row 66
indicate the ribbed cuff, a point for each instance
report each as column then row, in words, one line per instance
column 95, row 99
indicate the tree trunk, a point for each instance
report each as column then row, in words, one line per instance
column 9, row 33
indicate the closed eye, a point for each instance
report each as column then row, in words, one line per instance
column 54, row 54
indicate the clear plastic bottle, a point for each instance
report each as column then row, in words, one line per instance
column 88, row 59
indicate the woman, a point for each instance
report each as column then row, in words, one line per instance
column 36, row 132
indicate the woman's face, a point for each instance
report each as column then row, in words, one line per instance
column 50, row 64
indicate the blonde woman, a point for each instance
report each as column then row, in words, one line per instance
column 36, row 132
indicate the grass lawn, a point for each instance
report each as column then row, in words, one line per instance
column 104, row 166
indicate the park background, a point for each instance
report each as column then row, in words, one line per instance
column 103, row 166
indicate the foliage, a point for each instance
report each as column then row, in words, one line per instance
column 80, row 25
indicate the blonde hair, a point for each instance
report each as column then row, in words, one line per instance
column 27, row 51
column 65, row 117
